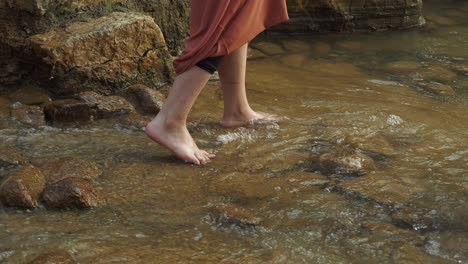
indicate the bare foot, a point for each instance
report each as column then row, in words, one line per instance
column 178, row 140
column 248, row 119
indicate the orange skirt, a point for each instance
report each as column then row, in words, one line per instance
column 219, row 27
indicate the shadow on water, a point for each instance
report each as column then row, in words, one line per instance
column 370, row 164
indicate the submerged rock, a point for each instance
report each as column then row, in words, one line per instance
column 68, row 110
column 416, row 218
column 30, row 96
column 440, row 89
column 54, row 257
column 410, row 254
column 391, row 232
column 10, row 157
column 402, row 67
column 438, row 74
column 268, row 47
column 233, row 214
column 349, row 45
column 70, row 193
column 462, row 69
column 321, row 48
column 150, row 100
column 382, row 188
column 298, row 46
column 106, row 106
column 68, row 167
column 23, row 188
column 133, row 121
column 350, row 165
column 27, row 115
column 102, row 53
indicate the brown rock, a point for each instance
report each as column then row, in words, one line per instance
column 30, row 96
column 349, row 45
column 54, row 257
column 10, row 158
column 440, row 89
column 150, row 100
column 102, row 53
column 67, row 167
column 415, row 218
column 462, row 69
column 235, row 214
column 391, row 232
column 382, row 188
column 134, row 121
column 27, row 115
column 353, row 165
column 23, row 188
column 410, row 254
column 376, row 144
column 70, row 193
column 68, row 110
column 402, row 67
column 438, row 74
column 106, row 106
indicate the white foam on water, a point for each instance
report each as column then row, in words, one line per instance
column 394, row 120
column 243, row 134
column 382, row 82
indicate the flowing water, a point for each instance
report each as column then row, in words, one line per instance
column 336, row 91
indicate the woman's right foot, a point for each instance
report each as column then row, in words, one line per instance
column 177, row 139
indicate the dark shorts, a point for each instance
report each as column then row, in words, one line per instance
column 210, row 64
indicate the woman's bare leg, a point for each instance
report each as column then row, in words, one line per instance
column 169, row 127
column 232, row 70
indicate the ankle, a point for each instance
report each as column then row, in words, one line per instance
column 238, row 113
column 169, row 123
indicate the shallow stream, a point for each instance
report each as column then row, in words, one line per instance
column 336, row 91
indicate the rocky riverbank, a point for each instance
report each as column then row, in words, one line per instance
column 72, row 46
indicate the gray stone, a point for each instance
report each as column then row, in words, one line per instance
column 106, row 106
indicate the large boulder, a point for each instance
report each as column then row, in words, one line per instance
column 105, row 54
column 21, row 19
column 352, row 15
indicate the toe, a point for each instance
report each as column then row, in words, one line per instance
column 193, row 159
column 201, row 157
column 208, row 155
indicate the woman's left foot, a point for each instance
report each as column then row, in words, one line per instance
column 248, row 119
